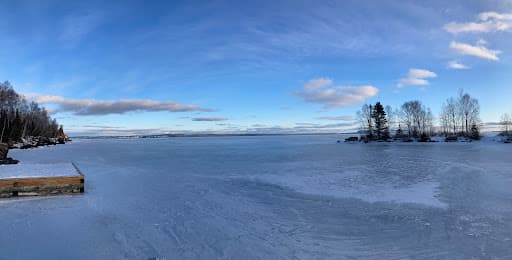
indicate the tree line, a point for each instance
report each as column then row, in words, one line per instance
column 460, row 116
column 20, row 118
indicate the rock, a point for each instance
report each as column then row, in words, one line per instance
column 28, row 142
column 424, row 139
column 9, row 160
column 451, row 139
column 27, row 146
column 4, row 149
column 352, row 139
column 43, row 141
column 52, row 141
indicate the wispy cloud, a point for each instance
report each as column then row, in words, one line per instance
column 114, row 131
column 209, row 119
column 100, row 107
column 101, row 127
column 305, row 126
column 322, row 91
column 456, row 65
column 416, row 77
column 486, row 22
column 336, row 118
column 478, row 50
column 309, row 33
column 77, row 26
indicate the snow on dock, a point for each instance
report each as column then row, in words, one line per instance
column 40, row 179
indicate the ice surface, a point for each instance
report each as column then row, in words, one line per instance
column 25, row 170
column 347, row 186
column 282, row 197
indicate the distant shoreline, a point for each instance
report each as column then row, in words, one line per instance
column 197, row 135
column 155, row 136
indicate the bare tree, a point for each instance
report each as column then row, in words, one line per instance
column 391, row 117
column 444, row 122
column 411, row 117
column 407, row 117
column 469, row 111
column 506, row 123
column 449, row 116
column 474, row 113
column 365, row 119
column 429, row 123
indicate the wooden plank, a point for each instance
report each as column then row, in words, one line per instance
column 41, row 190
column 21, row 182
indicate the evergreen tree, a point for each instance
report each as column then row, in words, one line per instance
column 380, row 121
column 399, row 133
column 370, row 123
column 475, row 132
column 19, row 118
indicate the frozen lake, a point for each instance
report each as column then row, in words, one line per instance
column 281, row 197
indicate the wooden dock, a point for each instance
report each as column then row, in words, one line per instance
column 40, row 180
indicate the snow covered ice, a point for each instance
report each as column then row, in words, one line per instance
column 280, row 197
column 35, row 170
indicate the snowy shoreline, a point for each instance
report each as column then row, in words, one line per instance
column 37, row 141
column 434, row 139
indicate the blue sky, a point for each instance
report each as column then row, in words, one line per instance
column 125, row 67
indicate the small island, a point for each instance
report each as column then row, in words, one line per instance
column 459, row 120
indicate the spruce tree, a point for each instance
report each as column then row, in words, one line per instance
column 475, row 132
column 380, row 121
column 399, row 133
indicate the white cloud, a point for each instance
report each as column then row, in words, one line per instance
column 416, row 77
column 317, row 83
column 336, row 118
column 487, row 22
column 100, row 107
column 209, row 119
column 494, row 15
column 323, row 92
column 412, row 82
column 306, row 126
column 420, row 73
column 481, row 42
column 457, row 65
column 478, row 50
